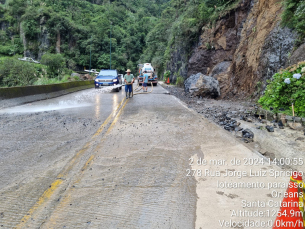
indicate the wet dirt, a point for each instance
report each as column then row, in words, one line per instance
column 38, row 139
column 282, row 143
column 137, row 178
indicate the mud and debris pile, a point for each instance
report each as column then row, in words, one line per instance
column 232, row 114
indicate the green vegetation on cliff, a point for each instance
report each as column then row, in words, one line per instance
column 72, row 26
column 179, row 28
column 141, row 30
column 294, row 16
column 285, row 88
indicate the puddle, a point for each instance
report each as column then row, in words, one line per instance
column 76, row 100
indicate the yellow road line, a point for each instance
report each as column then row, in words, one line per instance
column 108, row 119
column 116, row 118
column 88, row 163
column 71, row 163
column 59, row 179
column 66, row 199
column 88, row 144
column 46, row 195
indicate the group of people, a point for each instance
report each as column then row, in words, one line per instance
column 129, row 80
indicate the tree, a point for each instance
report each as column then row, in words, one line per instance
column 14, row 72
column 55, row 64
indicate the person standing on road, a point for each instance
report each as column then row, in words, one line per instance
column 129, row 79
column 145, row 81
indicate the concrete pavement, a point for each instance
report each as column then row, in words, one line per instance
column 138, row 173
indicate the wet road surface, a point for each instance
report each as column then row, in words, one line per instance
column 95, row 160
column 39, row 139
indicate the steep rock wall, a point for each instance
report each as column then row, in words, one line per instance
column 251, row 38
column 297, row 56
column 264, row 49
column 219, row 43
column 178, row 63
column 37, row 48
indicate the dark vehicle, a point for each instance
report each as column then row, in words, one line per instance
column 108, row 78
column 151, row 79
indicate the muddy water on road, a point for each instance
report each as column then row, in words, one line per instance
column 76, row 100
column 37, row 140
column 136, row 175
column 137, row 178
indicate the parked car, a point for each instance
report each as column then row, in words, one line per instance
column 29, row 59
column 108, row 78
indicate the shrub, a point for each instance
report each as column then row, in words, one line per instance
column 166, row 75
column 76, row 78
column 14, row 72
column 71, row 64
column 67, row 71
column 180, row 81
column 55, row 64
column 285, row 88
column 293, row 17
column 5, row 49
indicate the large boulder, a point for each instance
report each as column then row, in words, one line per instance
column 221, row 72
column 222, row 67
column 202, row 85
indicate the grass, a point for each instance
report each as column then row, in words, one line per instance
column 46, row 81
column 180, row 81
column 2, row 57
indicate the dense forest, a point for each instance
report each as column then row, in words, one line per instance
column 140, row 31
column 70, row 27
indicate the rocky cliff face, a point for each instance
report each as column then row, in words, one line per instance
column 245, row 48
column 178, row 63
column 36, row 49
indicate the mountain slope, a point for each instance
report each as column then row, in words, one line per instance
column 71, row 27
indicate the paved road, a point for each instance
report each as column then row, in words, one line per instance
column 95, row 160
column 40, row 139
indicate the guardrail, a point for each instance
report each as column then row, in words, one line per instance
column 15, row 92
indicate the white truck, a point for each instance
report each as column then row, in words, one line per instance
column 151, row 72
column 148, row 68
